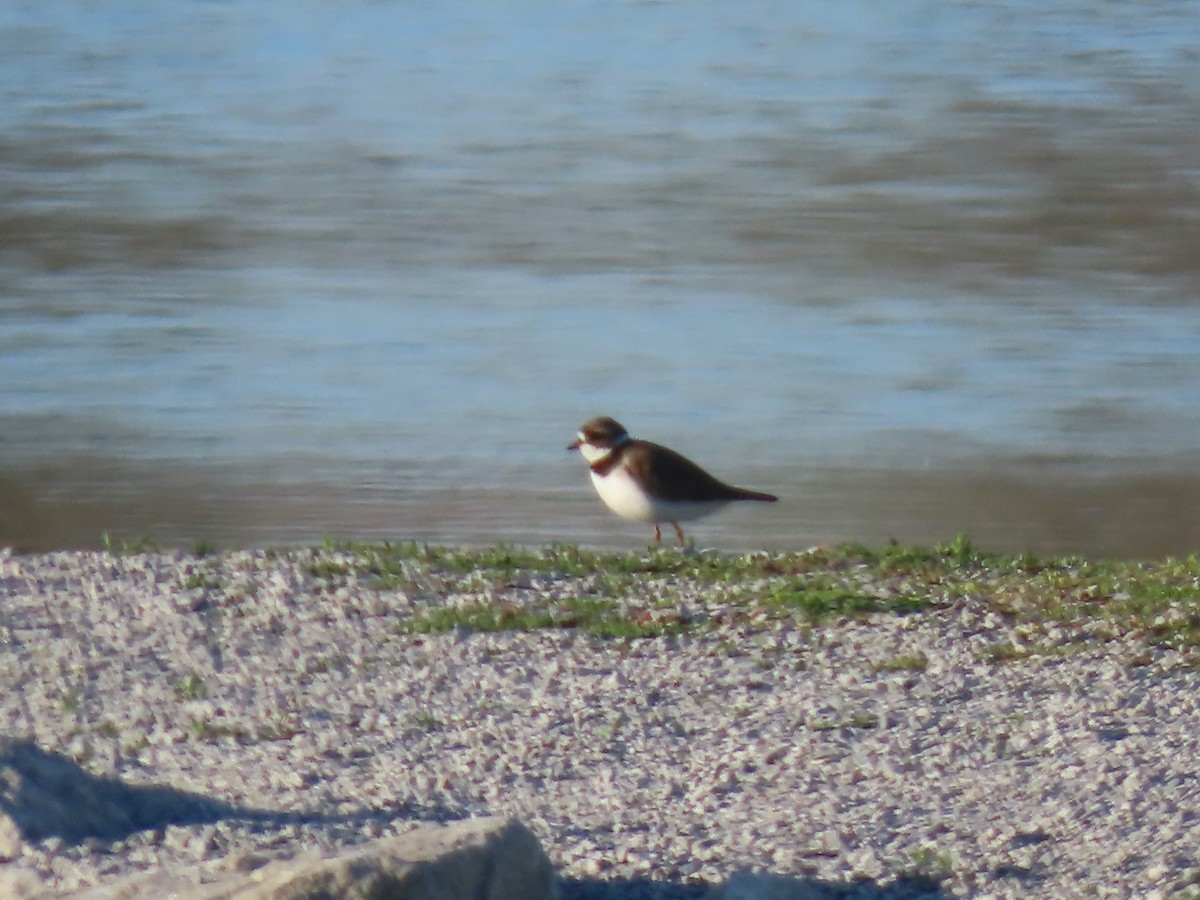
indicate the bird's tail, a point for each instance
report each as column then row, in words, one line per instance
column 745, row 494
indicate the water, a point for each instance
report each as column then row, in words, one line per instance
column 273, row 271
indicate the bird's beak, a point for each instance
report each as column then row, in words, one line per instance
column 574, row 445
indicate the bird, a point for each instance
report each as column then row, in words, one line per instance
column 647, row 482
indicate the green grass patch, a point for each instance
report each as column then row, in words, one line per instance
column 191, row 687
column 594, row 615
column 1159, row 601
column 858, row 721
column 822, row 599
column 127, row 546
column 905, row 662
column 479, row 617
column 1061, row 605
column 208, row 730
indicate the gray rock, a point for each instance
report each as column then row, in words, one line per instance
column 487, row 858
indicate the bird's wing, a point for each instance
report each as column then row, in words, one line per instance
column 674, row 476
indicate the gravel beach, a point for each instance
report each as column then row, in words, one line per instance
column 892, row 753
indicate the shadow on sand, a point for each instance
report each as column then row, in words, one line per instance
column 766, row 887
column 48, row 795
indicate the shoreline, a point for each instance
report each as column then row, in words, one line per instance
column 1143, row 512
column 851, row 716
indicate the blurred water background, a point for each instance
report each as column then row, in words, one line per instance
column 276, row 270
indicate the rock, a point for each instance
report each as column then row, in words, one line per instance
column 492, row 858
column 476, row 858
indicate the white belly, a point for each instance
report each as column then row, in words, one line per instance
column 622, row 495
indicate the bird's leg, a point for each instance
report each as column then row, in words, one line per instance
column 680, row 534
column 657, row 534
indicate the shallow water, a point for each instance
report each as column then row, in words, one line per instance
column 362, row 269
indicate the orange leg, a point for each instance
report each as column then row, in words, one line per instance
column 681, row 535
column 657, row 534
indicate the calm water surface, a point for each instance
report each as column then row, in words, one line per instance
column 279, row 270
